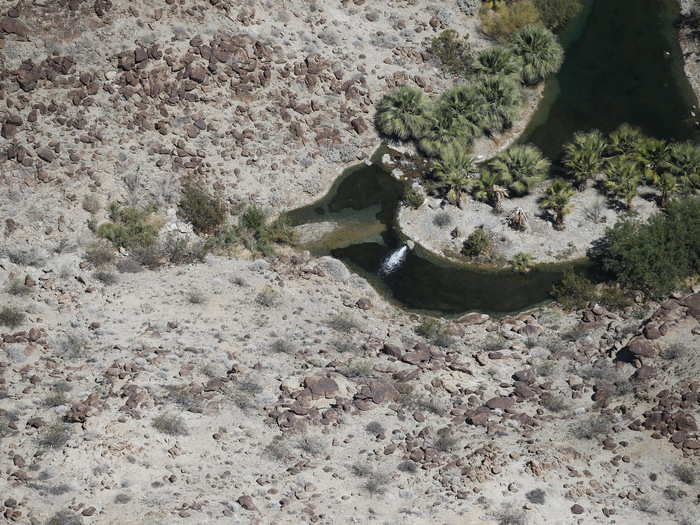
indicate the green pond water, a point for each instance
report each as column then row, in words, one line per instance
column 623, row 64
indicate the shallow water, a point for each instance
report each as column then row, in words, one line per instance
column 623, row 64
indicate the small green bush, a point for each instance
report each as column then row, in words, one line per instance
column 106, row 278
column 555, row 14
column 509, row 18
column 11, row 316
column 655, row 256
column 172, row 425
column 91, row 203
column 478, row 243
column 454, row 53
column 99, row 253
column 442, row 219
column 204, row 211
column 413, row 198
column 574, row 291
column 131, row 228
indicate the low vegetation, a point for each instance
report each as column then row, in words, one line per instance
column 655, row 256
column 204, row 211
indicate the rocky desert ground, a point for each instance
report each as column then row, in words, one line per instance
column 284, row 389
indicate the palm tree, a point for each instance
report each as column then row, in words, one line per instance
column 455, row 171
column 583, row 156
column 489, row 188
column 622, row 180
column 518, row 218
column 626, row 140
column 457, row 117
column 684, row 162
column 502, row 96
column 668, row 185
column 402, row 113
column 557, row 201
column 521, row 167
column 539, row 51
column 496, row 61
column 652, row 158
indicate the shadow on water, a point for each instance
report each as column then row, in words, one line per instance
column 623, row 64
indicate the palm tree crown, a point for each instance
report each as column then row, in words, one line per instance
column 502, row 97
column 402, row 113
column 583, row 156
column 455, row 170
column 496, row 61
column 520, row 167
column 539, row 51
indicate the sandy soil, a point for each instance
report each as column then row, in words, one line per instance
column 588, row 220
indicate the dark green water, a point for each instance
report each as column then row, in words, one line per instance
column 623, row 64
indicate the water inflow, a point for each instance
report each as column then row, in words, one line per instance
column 394, row 261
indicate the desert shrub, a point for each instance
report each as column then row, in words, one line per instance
column 65, row 517
column 310, row 445
column 675, row 351
column 555, row 14
column 501, row 23
column 536, row 496
column 408, row 466
column 130, row 227
column 72, row 345
column 522, row 262
column 283, row 346
column 574, row 291
column 361, row 470
column 268, row 297
column 685, row 473
column 29, row 257
column 129, row 265
column 196, row 297
column 442, row 219
column 170, row 424
column 375, row 428
column 655, row 256
column 91, row 203
column 413, row 197
column 343, row 323
column 446, row 442
column 454, row 53
column 258, row 235
column 478, row 243
column 11, row 316
column 509, row 515
column 178, row 250
column 55, row 435
column 614, row 298
column 358, row 369
column 591, row 427
column 204, row 211
column 99, row 253
column 107, row 278
column 555, row 403
column 376, row 483
column 17, row 287
column 55, row 399
column 435, row 331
